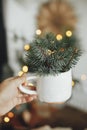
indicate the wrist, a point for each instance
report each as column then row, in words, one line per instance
column 2, row 113
column 1, row 94
column 1, row 102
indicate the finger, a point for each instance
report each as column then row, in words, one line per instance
column 26, row 95
column 10, row 78
column 24, row 99
column 22, row 95
column 25, row 84
column 19, row 80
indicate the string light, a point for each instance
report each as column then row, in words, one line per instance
column 73, row 83
column 83, row 77
column 38, row 32
column 20, row 73
column 49, row 52
column 25, row 68
column 10, row 114
column 59, row 37
column 30, row 84
column 26, row 47
column 6, row 119
column 68, row 33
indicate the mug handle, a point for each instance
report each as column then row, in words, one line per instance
column 27, row 91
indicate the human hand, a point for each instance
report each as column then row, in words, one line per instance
column 10, row 96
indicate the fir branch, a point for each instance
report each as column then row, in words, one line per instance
column 41, row 49
column 72, row 57
column 47, row 55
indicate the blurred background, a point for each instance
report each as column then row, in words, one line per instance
column 20, row 20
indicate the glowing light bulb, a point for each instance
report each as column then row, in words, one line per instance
column 30, row 84
column 25, row 68
column 38, row 31
column 10, row 114
column 73, row 83
column 49, row 52
column 20, row 73
column 59, row 37
column 6, row 119
column 26, row 47
column 83, row 77
column 68, row 33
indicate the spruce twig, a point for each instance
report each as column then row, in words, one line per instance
column 65, row 68
column 51, row 56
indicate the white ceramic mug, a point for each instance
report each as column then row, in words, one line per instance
column 51, row 89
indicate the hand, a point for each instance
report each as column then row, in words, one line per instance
column 10, row 96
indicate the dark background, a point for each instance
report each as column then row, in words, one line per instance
column 3, row 50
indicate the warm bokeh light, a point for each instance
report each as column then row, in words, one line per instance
column 68, row 33
column 25, row 68
column 26, row 116
column 83, row 77
column 20, row 73
column 73, row 83
column 10, row 114
column 30, row 84
column 49, row 52
column 38, row 31
column 59, row 37
column 26, row 47
column 6, row 119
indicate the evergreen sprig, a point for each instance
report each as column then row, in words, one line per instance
column 47, row 55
